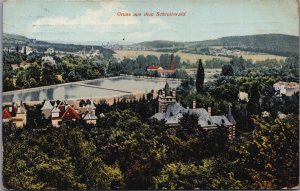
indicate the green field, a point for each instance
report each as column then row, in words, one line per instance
column 120, row 54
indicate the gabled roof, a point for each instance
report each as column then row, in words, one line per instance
column 90, row 116
column 47, row 105
column 175, row 111
column 6, row 114
column 70, row 113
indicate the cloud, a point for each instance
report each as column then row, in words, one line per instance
column 102, row 18
column 157, row 21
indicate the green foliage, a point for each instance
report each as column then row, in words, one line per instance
column 227, row 70
column 271, row 154
column 209, row 175
column 200, row 77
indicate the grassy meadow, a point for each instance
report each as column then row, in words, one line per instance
column 120, row 54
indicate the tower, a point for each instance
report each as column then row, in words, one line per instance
column 172, row 62
column 166, row 97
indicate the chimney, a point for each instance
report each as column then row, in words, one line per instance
column 209, row 111
column 194, row 104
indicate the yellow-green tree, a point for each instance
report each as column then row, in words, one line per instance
column 271, row 155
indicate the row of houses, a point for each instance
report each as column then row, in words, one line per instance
column 59, row 112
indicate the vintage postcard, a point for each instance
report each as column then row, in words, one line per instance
column 139, row 95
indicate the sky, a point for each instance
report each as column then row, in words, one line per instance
column 80, row 21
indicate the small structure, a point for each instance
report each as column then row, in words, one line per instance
column 16, row 113
column 286, row 88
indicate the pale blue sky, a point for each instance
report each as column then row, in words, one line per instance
column 97, row 21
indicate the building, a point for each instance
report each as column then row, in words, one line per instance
column 48, row 59
column 15, row 113
column 286, row 88
column 64, row 112
column 166, row 97
column 243, row 96
column 171, row 112
column 50, row 51
column 27, row 50
column 161, row 71
column 153, row 68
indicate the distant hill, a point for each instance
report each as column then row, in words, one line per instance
column 278, row 44
column 18, row 40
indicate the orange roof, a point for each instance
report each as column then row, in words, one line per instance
column 6, row 114
column 165, row 71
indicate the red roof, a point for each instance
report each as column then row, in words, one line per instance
column 6, row 114
column 153, row 67
column 70, row 114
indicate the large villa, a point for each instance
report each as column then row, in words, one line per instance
column 171, row 112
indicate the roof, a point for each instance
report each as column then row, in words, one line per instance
column 55, row 110
column 153, row 67
column 165, row 71
column 291, row 84
column 70, row 113
column 6, row 114
column 175, row 111
column 90, row 116
column 47, row 105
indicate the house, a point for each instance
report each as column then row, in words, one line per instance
column 286, row 88
column 243, row 96
column 163, row 72
column 66, row 111
column 153, row 68
column 171, row 112
column 63, row 114
column 26, row 50
column 15, row 113
column 48, row 59
column 50, row 51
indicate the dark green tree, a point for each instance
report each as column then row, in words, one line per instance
column 227, row 70
column 200, row 77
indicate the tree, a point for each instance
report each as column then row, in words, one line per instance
column 253, row 104
column 227, row 70
column 189, row 176
column 271, row 154
column 200, row 77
